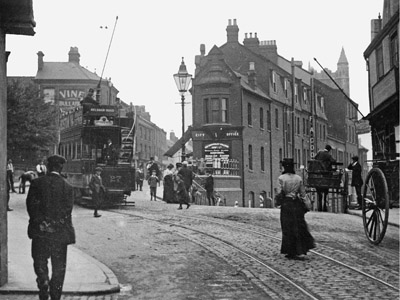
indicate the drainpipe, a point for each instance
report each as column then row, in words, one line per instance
column 243, row 184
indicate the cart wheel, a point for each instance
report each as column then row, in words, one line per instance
column 375, row 206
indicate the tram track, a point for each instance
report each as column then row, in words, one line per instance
column 212, row 238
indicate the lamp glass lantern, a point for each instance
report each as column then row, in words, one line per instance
column 182, row 79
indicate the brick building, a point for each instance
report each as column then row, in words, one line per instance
column 150, row 140
column 255, row 107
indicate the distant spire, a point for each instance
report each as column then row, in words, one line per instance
column 343, row 58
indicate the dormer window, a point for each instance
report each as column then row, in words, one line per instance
column 285, row 87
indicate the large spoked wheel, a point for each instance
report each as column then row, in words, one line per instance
column 375, row 206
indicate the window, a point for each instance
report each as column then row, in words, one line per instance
column 285, row 87
column 215, row 110
column 249, row 118
column 274, row 81
column 305, row 95
column 298, row 125
column 250, row 157
column 280, row 154
column 304, row 126
column 206, row 111
column 394, row 50
column 276, row 118
column 224, row 110
column 261, row 118
column 262, row 159
column 296, row 96
column 379, row 61
column 288, row 133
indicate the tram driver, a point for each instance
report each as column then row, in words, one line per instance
column 109, row 153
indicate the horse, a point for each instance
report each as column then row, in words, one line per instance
column 322, row 193
column 27, row 176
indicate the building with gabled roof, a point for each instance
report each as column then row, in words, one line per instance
column 253, row 107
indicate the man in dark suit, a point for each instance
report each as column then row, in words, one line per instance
column 325, row 157
column 356, row 178
column 187, row 175
column 209, row 186
column 152, row 166
column 49, row 203
column 327, row 160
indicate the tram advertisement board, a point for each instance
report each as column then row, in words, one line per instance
column 216, row 151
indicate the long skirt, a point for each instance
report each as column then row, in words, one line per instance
column 296, row 239
column 169, row 194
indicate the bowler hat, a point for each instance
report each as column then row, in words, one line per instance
column 178, row 164
column 56, row 160
column 328, row 147
column 355, row 158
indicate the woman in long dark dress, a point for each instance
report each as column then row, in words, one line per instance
column 296, row 239
column 169, row 193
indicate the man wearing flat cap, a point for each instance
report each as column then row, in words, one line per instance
column 356, row 178
column 49, row 203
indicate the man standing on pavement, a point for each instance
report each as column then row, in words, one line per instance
column 209, row 186
column 356, row 178
column 97, row 189
column 10, row 175
column 49, row 203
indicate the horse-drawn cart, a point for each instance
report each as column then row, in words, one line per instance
column 319, row 180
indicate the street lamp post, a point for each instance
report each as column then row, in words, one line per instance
column 182, row 80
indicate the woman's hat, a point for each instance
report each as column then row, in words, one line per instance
column 288, row 162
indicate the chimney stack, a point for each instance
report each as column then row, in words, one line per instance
column 376, row 27
column 73, row 55
column 232, row 31
column 252, row 43
column 269, row 50
column 40, row 60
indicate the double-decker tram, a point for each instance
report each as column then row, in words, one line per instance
column 94, row 136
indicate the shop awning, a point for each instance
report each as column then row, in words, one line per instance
column 178, row 145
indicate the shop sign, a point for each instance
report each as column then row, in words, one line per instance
column 216, row 151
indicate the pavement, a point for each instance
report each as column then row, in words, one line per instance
column 85, row 275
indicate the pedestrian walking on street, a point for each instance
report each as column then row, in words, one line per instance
column 187, row 176
column 49, row 203
column 97, row 188
column 182, row 194
column 10, row 175
column 356, row 178
column 153, row 181
column 168, row 183
column 296, row 239
column 209, row 186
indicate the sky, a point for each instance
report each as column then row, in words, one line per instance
column 151, row 37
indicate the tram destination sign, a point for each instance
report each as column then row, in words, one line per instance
column 103, row 110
